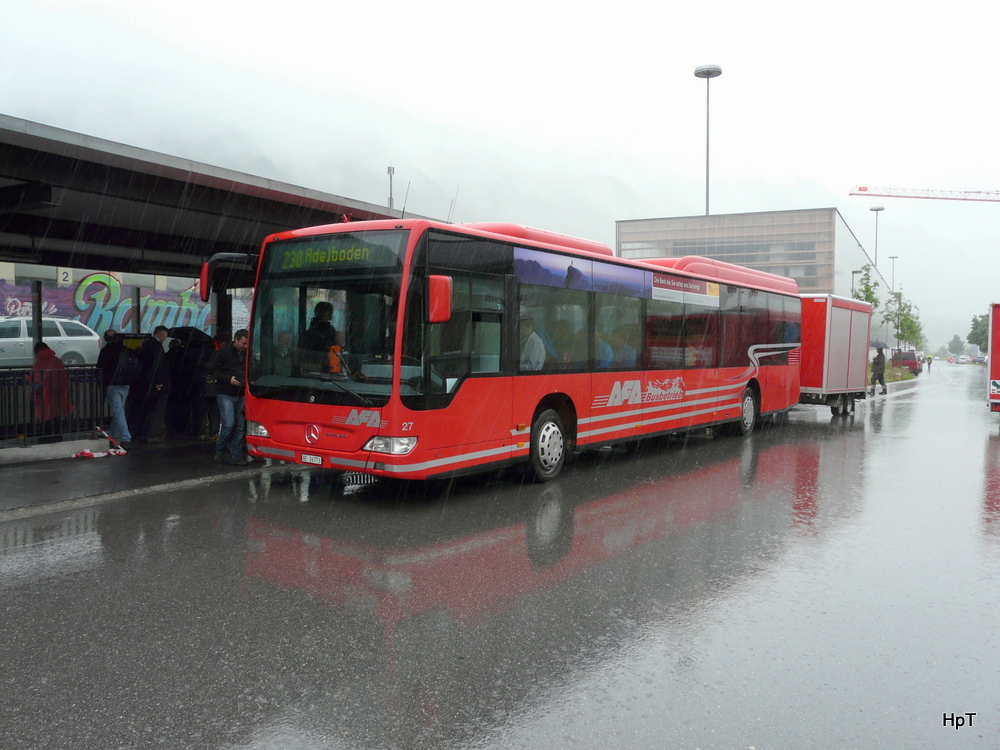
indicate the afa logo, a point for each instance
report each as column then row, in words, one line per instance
column 367, row 417
column 627, row 392
column 631, row 392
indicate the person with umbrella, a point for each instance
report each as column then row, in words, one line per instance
column 878, row 370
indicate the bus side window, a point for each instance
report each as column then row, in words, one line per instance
column 617, row 322
column 701, row 336
column 486, row 342
column 665, row 334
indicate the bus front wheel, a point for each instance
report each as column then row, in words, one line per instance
column 548, row 446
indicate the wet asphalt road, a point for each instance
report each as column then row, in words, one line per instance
column 824, row 583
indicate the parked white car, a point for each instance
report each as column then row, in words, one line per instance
column 73, row 342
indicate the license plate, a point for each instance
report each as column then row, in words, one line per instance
column 307, row 459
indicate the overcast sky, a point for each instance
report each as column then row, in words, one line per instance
column 565, row 117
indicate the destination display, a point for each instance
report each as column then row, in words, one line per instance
column 339, row 251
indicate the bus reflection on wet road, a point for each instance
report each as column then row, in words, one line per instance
column 827, row 581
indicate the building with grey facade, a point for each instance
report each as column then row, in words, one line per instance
column 813, row 246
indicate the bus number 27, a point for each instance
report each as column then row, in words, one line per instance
column 407, row 426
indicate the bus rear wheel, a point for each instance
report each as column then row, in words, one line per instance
column 748, row 412
column 548, row 446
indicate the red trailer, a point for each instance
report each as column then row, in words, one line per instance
column 993, row 397
column 835, row 336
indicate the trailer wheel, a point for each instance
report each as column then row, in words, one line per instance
column 548, row 446
column 748, row 412
column 844, row 406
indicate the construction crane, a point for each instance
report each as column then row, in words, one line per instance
column 941, row 195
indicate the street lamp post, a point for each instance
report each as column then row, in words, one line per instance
column 708, row 72
column 899, row 303
column 392, row 171
column 892, row 291
column 876, row 209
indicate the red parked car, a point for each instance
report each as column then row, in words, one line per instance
column 908, row 360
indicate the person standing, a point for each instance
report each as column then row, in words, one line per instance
column 228, row 373
column 113, row 361
column 154, row 388
column 878, row 371
column 178, row 408
column 50, row 388
column 929, row 360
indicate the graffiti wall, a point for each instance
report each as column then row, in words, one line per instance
column 101, row 301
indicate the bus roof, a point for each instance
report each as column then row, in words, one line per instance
column 692, row 265
column 541, row 235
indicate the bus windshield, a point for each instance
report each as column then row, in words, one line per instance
column 324, row 318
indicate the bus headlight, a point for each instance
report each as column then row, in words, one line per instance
column 256, row 429
column 397, row 446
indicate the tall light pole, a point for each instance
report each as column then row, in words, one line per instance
column 892, row 291
column 708, row 72
column 899, row 304
column 876, row 209
column 391, row 173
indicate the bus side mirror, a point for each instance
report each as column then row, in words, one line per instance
column 230, row 270
column 438, row 299
column 205, row 288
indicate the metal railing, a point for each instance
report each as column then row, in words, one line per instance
column 49, row 405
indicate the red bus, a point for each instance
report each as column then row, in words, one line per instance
column 417, row 349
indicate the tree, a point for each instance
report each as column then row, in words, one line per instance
column 866, row 289
column 904, row 319
column 955, row 346
column 980, row 331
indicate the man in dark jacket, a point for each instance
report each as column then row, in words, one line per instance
column 228, row 370
column 116, row 385
column 153, row 388
column 878, row 371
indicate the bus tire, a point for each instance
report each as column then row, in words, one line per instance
column 748, row 412
column 548, row 446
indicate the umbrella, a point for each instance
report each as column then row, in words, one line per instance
column 877, row 344
column 190, row 335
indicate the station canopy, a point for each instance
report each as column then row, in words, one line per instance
column 71, row 200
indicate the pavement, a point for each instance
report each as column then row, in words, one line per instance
column 48, row 478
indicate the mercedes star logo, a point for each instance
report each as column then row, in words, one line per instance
column 312, row 433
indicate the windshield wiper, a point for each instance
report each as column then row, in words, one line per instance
column 329, row 379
